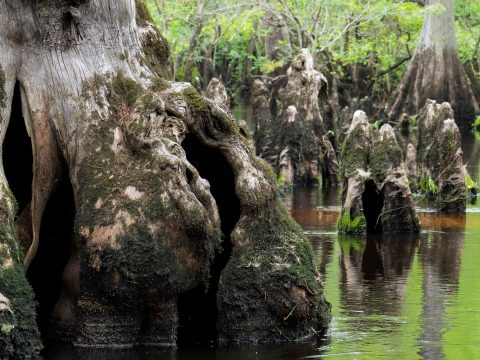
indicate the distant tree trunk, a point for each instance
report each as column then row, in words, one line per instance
column 218, row 94
column 435, row 71
column 207, row 66
column 262, row 117
column 132, row 195
column 277, row 41
column 246, row 74
column 199, row 22
column 299, row 127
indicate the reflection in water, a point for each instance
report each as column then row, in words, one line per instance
column 374, row 272
column 440, row 257
column 310, row 199
column 393, row 294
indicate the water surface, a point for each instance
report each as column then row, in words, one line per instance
column 402, row 296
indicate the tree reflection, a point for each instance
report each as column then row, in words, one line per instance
column 440, row 255
column 374, row 270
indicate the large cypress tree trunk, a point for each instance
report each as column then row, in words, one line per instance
column 134, row 186
column 435, row 71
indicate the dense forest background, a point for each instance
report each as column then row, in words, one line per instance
column 362, row 47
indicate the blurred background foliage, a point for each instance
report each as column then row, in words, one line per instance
column 366, row 45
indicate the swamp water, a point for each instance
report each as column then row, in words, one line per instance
column 393, row 297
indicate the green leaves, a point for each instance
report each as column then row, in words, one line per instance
column 6, row 329
column 378, row 33
column 428, row 186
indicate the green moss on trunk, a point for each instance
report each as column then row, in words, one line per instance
column 143, row 17
column 19, row 337
column 157, row 53
column 271, row 286
column 384, row 155
column 123, row 91
column 354, row 154
column 200, row 110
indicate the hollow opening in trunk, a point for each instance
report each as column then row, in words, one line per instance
column 372, row 207
column 45, row 271
column 197, row 308
column 17, row 155
column 56, row 239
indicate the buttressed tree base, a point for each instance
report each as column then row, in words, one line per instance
column 136, row 208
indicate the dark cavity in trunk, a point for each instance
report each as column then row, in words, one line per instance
column 197, row 308
column 17, row 155
column 54, row 251
column 372, row 207
column 56, row 232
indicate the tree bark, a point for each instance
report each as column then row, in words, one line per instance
column 262, row 117
column 277, row 41
column 218, row 94
column 435, row 71
column 299, row 127
column 376, row 196
column 440, row 156
column 159, row 181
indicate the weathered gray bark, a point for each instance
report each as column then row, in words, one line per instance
column 435, row 71
column 277, row 41
column 411, row 164
column 376, row 195
column 299, row 127
column 389, row 174
column 218, row 94
column 354, row 174
column 160, row 182
column 260, row 100
column 440, row 156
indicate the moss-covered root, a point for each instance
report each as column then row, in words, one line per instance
column 353, row 173
column 147, row 223
column 388, row 170
column 19, row 337
column 452, row 191
column 355, row 148
column 270, row 289
column 430, row 120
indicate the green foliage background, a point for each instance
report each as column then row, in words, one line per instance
column 380, row 35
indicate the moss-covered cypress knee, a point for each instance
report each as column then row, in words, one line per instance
column 440, row 157
column 376, row 194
